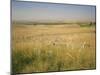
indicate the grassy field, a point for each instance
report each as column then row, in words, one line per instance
column 42, row 48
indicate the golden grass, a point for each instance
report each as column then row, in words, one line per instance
column 44, row 48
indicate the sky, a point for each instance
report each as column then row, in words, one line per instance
column 51, row 12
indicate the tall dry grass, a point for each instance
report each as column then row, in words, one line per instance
column 52, row 48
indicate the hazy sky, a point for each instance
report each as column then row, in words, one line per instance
column 44, row 12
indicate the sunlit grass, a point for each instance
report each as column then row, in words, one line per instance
column 52, row 48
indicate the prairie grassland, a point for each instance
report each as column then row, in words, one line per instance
column 42, row 48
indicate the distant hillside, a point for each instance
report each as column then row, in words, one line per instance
column 54, row 23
